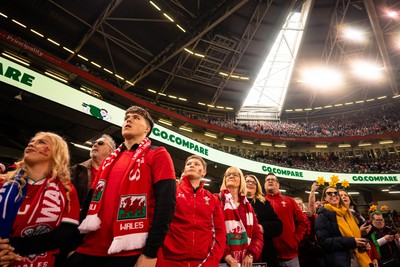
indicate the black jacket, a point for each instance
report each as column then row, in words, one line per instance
column 272, row 225
column 388, row 250
column 337, row 248
column 80, row 178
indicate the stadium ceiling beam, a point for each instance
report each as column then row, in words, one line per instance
column 332, row 52
column 131, row 47
column 106, row 13
column 110, row 56
column 176, row 47
column 178, row 66
column 256, row 19
column 376, row 28
column 337, row 18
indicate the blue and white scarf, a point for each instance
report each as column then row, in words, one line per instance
column 10, row 201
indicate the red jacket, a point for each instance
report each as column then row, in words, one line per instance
column 190, row 240
column 295, row 225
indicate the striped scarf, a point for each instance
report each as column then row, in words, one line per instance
column 10, row 201
column 132, row 205
column 238, row 233
column 42, row 215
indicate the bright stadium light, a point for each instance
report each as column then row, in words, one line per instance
column 322, row 77
column 392, row 14
column 367, row 70
column 354, row 34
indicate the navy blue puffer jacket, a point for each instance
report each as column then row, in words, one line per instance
column 337, row 248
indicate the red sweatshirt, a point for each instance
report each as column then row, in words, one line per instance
column 295, row 225
column 197, row 234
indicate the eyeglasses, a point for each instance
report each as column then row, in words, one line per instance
column 251, row 182
column 270, row 180
column 101, row 143
column 336, row 193
column 234, row 174
column 379, row 220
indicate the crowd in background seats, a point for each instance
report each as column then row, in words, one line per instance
column 389, row 164
column 383, row 120
column 325, row 163
column 96, row 74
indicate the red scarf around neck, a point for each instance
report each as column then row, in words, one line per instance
column 238, row 235
column 132, row 204
column 44, row 214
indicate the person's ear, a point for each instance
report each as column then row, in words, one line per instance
column 148, row 128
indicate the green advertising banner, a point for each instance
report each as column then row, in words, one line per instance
column 41, row 85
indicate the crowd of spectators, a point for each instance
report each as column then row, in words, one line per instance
column 383, row 120
column 370, row 122
column 97, row 74
column 389, row 163
column 332, row 163
column 367, row 122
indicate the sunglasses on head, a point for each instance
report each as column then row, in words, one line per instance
column 336, row 193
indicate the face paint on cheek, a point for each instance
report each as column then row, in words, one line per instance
column 45, row 151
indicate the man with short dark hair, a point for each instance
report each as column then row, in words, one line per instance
column 295, row 223
column 385, row 240
column 133, row 201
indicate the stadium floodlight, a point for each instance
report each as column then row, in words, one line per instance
column 367, row 70
column 322, row 77
column 392, row 14
column 354, row 34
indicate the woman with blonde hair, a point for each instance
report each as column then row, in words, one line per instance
column 338, row 233
column 269, row 222
column 244, row 237
column 39, row 206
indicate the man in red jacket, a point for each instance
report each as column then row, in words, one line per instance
column 295, row 223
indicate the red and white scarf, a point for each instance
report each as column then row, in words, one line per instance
column 132, row 204
column 238, row 236
column 44, row 214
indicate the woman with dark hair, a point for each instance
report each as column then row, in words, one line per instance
column 352, row 206
column 244, row 239
column 38, row 203
column 365, row 228
column 338, row 233
column 268, row 220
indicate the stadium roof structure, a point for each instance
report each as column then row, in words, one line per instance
column 200, row 56
column 210, row 52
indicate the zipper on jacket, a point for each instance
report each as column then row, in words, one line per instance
column 194, row 229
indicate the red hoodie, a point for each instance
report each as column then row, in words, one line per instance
column 197, row 234
column 295, row 225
